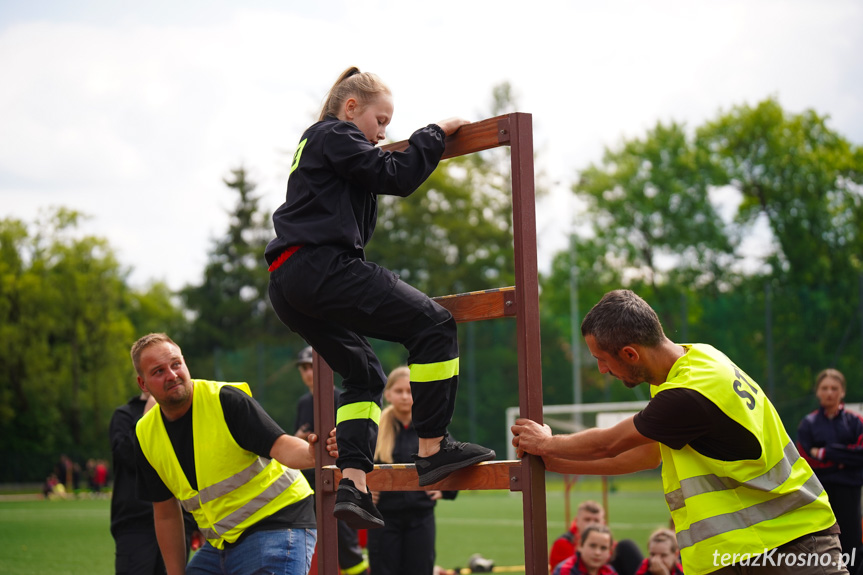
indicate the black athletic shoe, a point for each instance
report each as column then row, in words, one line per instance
column 356, row 508
column 453, row 455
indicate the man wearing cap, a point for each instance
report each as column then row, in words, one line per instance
column 351, row 560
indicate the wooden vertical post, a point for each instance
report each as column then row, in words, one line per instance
column 529, row 356
column 522, row 301
column 325, row 498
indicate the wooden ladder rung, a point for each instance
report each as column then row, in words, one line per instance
column 528, row 475
column 480, row 305
column 505, row 474
column 470, row 138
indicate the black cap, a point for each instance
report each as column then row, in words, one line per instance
column 305, row 356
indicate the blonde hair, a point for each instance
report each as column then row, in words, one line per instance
column 662, row 535
column 364, row 86
column 830, row 372
column 143, row 343
column 387, row 426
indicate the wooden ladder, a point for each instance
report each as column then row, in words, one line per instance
column 522, row 301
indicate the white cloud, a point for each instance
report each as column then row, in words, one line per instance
column 135, row 116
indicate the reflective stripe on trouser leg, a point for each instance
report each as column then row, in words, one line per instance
column 361, row 410
column 434, row 387
column 434, row 365
column 357, row 432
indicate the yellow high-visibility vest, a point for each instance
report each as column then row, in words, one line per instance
column 236, row 488
column 736, row 507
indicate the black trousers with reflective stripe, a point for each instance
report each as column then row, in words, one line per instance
column 334, row 300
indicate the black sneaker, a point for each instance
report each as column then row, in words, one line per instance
column 355, row 507
column 453, row 455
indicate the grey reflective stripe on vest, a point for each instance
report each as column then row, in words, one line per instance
column 775, row 476
column 282, row 484
column 225, row 486
column 765, row 511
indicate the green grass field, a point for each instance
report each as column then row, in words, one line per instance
column 72, row 537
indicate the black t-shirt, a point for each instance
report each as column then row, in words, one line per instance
column 679, row 417
column 306, row 410
column 253, row 430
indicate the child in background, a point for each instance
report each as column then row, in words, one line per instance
column 626, row 554
column 406, row 544
column 593, row 555
column 322, row 287
column 662, row 559
column 588, row 513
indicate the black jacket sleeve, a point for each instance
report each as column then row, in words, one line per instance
column 383, row 172
column 122, row 434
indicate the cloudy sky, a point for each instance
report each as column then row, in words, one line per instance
column 133, row 112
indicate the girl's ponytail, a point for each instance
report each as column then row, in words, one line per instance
column 364, row 86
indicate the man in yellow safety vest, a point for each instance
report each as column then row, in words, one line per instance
column 210, row 448
column 741, row 497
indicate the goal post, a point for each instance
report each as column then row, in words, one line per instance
column 583, row 416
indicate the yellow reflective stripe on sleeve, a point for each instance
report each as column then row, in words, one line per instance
column 361, row 410
column 422, row 372
column 297, row 155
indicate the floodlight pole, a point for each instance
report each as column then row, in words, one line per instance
column 575, row 326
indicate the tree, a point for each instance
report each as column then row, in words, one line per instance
column 648, row 204
column 806, row 180
column 454, row 234
column 156, row 309
column 230, row 307
column 804, row 177
column 234, row 334
column 64, row 363
column 649, row 201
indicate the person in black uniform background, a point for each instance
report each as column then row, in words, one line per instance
column 351, row 559
column 406, row 544
column 136, row 551
column 831, row 440
column 322, row 287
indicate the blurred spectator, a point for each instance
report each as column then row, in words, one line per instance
column 136, row 549
column 663, row 556
column 595, row 548
column 626, row 558
column 831, row 440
